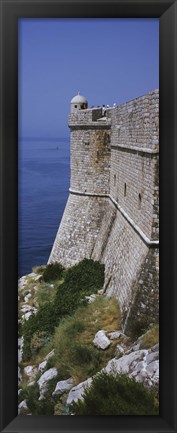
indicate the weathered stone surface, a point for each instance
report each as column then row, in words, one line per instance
column 139, row 364
column 26, row 308
column 42, row 365
column 114, row 335
column 91, row 298
column 101, row 340
column 27, row 297
column 44, row 380
column 112, row 210
column 77, row 392
column 19, row 376
column 63, row 386
column 30, row 371
column 20, row 348
column 23, row 408
column 123, row 364
column 119, row 349
column 26, row 316
column 134, row 365
column 22, row 282
column 152, row 357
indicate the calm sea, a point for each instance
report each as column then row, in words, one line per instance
column 44, row 175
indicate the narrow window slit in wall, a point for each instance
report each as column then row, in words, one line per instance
column 125, row 189
column 115, row 180
column 139, row 201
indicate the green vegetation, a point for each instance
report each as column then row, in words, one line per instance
column 116, row 395
column 83, row 279
column 53, row 271
column 150, row 338
column 66, row 323
column 45, row 293
column 75, row 354
column 39, row 407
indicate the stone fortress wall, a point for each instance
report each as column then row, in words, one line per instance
column 112, row 213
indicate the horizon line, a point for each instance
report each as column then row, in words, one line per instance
column 42, row 138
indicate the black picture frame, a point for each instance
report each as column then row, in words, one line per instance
column 166, row 11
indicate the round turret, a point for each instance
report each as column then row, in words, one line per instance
column 78, row 103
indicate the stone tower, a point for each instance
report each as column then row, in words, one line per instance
column 112, row 213
column 89, row 183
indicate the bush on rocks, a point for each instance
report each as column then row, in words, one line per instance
column 111, row 394
column 53, row 271
column 80, row 280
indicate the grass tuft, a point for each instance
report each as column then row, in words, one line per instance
column 150, row 338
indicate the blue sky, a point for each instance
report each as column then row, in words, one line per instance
column 107, row 60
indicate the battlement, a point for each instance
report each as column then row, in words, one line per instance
column 134, row 124
column 90, row 117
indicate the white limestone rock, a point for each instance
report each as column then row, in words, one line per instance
column 27, row 297
column 91, row 298
column 114, row 335
column 42, row 366
column 138, row 365
column 101, row 340
column 63, row 386
column 20, row 354
column 22, row 408
column 44, row 380
column 34, row 276
column 153, row 356
column 142, row 365
column 19, row 376
column 119, row 350
column 125, row 363
column 26, row 308
column 20, row 348
column 100, row 292
column 22, row 282
column 77, row 392
column 26, row 316
column 30, row 371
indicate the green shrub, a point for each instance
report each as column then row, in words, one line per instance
column 43, row 321
column 53, row 271
column 87, row 276
column 116, row 395
column 82, row 354
column 37, row 341
column 80, row 280
column 44, row 294
column 36, row 406
column 31, row 395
